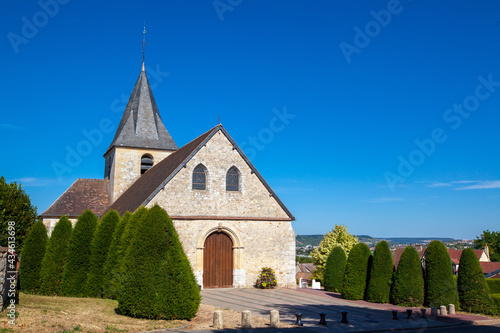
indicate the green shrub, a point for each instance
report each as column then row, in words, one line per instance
column 266, row 279
column 382, row 269
column 79, row 251
column 408, row 286
column 99, row 252
column 356, row 272
column 472, row 287
column 439, row 284
column 54, row 260
column 129, row 233
column 158, row 279
column 335, row 269
column 32, row 257
column 493, row 285
column 496, row 301
column 108, row 288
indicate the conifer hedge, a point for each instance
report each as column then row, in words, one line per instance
column 99, row 252
column 408, row 285
column 79, row 251
column 335, row 269
column 439, row 284
column 108, row 290
column 382, row 269
column 54, row 260
column 158, row 279
column 32, row 257
column 472, row 287
column 356, row 272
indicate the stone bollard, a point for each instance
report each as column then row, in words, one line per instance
column 394, row 315
column 451, row 309
column 246, row 319
column 299, row 319
column 408, row 313
column 434, row 311
column 344, row 317
column 423, row 313
column 322, row 318
column 275, row 318
column 218, row 320
column 442, row 310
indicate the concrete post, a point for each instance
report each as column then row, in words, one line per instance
column 275, row 318
column 246, row 319
column 218, row 320
column 442, row 310
column 451, row 309
column 434, row 311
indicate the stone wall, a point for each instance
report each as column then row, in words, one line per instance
column 50, row 223
column 126, row 167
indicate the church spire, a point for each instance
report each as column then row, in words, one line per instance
column 143, row 44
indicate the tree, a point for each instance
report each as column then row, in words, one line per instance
column 492, row 238
column 439, row 283
column 79, row 251
column 31, row 258
column 356, row 272
column 335, row 269
column 15, row 205
column 54, row 260
column 408, row 285
column 472, row 287
column 382, row 269
column 339, row 236
column 99, row 252
column 158, row 279
column 108, row 290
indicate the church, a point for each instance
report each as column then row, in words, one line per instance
column 229, row 220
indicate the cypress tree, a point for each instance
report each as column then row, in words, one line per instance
column 335, row 269
column 100, row 246
column 356, row 272
column 439, row 284
column 79, row 251
column 54, row 260
column 158, row 279
column 472, row 287
column 408, row 285
column 32, row 257
column 382, row 269
column 108, row 290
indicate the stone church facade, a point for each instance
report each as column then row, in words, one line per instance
column 229, row 220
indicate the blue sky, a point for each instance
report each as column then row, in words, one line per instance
column 380, row 115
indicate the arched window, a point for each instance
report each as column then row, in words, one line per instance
column 146, row 163
column 199, row 178
column 233, row 179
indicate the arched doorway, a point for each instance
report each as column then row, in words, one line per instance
column 218, row 261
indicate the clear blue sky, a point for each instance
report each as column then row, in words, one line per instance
column 356, row 85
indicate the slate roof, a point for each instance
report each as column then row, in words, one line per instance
column 149, row 184
column 93, row 194
column 141, row 125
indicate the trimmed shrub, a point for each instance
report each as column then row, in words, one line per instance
column 439, row 284
column 266, row 279
column 54, row 260
column 408, row 285
column 158, row 280
column 382, row 269
column 99, row 252
column 335, row 269
column 472, row 287
column 356, row 272
column 496, row 301
column 32, row 257
column 108, row 289
column 493, row 285
column 79, row 251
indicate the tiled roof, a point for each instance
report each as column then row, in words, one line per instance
column 456, row 254
column 490, row 267
column 141, row 125
column 93, row 194
column 396, row 257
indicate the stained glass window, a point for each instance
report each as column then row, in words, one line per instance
column 233, row 179
column 199, row 178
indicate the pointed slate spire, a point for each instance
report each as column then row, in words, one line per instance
column 141, row 125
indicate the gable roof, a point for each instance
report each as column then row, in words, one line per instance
column 141, row 125
column 144, row 189
column 93, row 194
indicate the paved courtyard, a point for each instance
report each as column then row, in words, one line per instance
column 362, row 316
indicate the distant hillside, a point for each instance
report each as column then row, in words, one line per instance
column 314, row 240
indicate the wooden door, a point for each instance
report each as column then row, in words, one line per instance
column 218, row 261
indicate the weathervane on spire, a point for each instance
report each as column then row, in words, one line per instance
column 144, row 42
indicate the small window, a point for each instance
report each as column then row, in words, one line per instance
column 199, row 178
column 146, row 163
column 233, row 179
